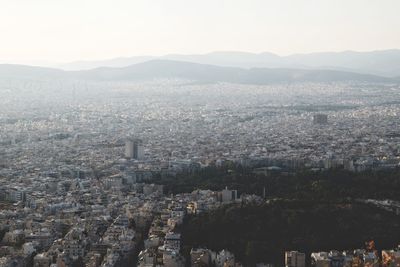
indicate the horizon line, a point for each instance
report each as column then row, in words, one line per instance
column 54, row 64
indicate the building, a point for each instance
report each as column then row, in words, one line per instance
column 172, row 241
column 295, row 259
column 129, row 148
column 371, row 259
column 41, row 260
column 200, row 257
column 390, row 258
column 173, row 259
column 134, row 149
column 225, row 259
column 320, row 259
column 320, row 119
column 15, row 194
column 228, row 195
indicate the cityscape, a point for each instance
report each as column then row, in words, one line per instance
column 77, row 177
column 192, row 158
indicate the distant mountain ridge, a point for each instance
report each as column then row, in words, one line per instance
column 169, row 69
column 382, row 63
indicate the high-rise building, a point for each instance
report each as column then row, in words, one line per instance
column 138, row 150
column 129, row 148
column 295, row 259
column 228, row 195
column 320, row 119
column 134, row 149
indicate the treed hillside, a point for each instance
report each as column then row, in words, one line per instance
column 262, row 233
column 328, row 185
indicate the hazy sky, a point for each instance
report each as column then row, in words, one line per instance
column 67, row 30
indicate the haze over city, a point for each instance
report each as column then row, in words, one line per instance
column 47, row 32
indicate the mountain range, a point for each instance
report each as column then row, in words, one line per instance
column 382, row 63
column 170, row 69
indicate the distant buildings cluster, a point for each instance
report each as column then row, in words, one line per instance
column 358, row 257
column 72, row 186
column 99, row 223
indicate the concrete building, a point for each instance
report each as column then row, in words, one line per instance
column 225, row 259
column 41, row 260
column 390, row 258
column 228, row 195
column 173, row 241
column 320, row 119
column 200, row 257
column 295, row 259
column 134, row 149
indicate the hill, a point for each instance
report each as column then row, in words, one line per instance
column 23, row 72
column 261, row 233
column 169, row 69
column 382, row 63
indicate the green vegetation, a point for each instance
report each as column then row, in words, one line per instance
column 328, row 185
column 307, row 211
column 262, row 233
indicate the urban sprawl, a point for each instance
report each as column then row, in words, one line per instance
column 76, row 164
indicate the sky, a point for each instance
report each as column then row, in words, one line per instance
column 70, row 30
